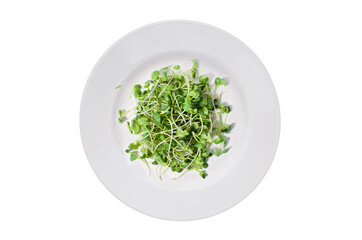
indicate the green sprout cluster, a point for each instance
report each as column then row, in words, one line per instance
column 178, row 121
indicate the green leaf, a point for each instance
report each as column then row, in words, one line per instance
column 133, row 156
column 225, row 150
column 144, row 151
column 143, row 122
column 137, row 90
column 139, row 108
column 220, row 81
column 204, row 79
column 207, row 88
column 147, row 83
column 164, row 76
column 195, row 125
column 209, row 139
column 219, row 140
column 155, row 75
column 129, row 127
column 210, row 106
column 164, row 107
column 217, row 152
column 225, row 109
column 179, row 77
column 226, row 128
column 181, row 134
column 134, row 145
column 180, row 99
column 136, row 128
column 119, row 86
column 194, row 94
column 169, row 88
column 194, row 66
column 203, row 174
column 176, row 67
column 157, row 117
column 203, row 111
column 187, row 104
column 199, row 146
column 193, row 73
column 202, row 101
column 166, row 67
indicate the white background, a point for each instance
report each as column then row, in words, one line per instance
column 313, row 52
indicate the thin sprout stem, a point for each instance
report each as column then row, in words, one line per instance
column 171, row 138
column 194, row 135
column 154, row 87
column 202, row 125
column 173, row 121
column 183, row 171
column 147, row 110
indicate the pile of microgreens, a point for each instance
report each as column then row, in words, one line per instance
column 178, row 121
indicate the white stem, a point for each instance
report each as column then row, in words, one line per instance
column 183, row 171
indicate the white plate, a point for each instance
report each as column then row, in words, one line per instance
column 250, row 92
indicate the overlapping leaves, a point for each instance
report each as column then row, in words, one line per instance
column 178, row 120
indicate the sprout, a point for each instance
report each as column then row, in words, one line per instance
column 178, row 121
